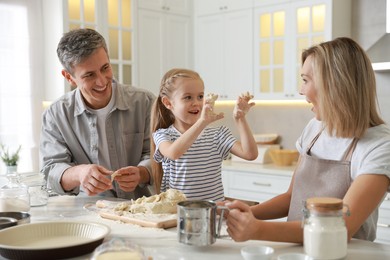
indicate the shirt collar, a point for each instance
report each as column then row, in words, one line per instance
column 120, row 103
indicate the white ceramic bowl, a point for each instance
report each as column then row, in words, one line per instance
column 293, row 256
column 257, row 252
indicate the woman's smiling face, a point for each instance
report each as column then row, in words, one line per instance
column 308, row 87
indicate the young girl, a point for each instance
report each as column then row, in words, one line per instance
column 191, row 153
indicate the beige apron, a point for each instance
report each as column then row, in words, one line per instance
column 316, row 177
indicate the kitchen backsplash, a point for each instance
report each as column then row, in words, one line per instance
column 285, row 120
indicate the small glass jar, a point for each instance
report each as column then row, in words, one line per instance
column 14, row 195
column 325, row 233
column 37, row 189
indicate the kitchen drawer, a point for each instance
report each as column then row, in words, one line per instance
column 249, row 195
column 383, row 235
column 261, row 183
column 384, row 212
column 383, row 229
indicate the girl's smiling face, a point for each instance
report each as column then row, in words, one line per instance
column 186, row 102
column 308, row 87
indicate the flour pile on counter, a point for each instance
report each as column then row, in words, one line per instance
column 163, row 203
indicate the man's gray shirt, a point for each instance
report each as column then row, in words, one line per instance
column 69, row 136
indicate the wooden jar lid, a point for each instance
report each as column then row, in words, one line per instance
column 324, row 204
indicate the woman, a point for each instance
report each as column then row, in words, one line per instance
column 344, row 150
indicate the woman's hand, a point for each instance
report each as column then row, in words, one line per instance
column 240, row 221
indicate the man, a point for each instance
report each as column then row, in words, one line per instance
column 99, row 128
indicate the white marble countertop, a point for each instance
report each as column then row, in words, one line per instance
column 163, row 244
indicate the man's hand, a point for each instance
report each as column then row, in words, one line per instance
column 93, row 178
column 128, row 178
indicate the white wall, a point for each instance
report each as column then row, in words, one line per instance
column 53, row 30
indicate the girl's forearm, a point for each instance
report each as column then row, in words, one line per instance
column 247, row 140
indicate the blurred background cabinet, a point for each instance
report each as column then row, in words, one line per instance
column 223, row 50
column 164, row 39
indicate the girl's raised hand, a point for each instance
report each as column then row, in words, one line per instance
column 242, row 105
column 208, row 113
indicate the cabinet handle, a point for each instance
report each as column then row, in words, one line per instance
column 262, row 184
column 383, row 225
column 221, row 8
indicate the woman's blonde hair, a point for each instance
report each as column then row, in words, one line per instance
column 162, row 117
column 346, row 87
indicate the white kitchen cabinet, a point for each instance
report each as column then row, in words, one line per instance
column 164, row 42
column 206, row 7
column 383, row 229
column 183, row 7
column 223, row 52
column 282, row 31
column 256, row 183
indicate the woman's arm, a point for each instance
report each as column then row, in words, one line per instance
column 242, row 226
column 362, row 198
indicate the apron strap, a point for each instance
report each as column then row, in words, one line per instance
column 351, row 149
column 312, row 142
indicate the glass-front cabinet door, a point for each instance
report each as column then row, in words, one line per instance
column 113, row 19
column 270, row 48
column 281, row 31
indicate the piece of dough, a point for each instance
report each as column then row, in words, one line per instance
column 114, row 175
column 211, row 98
column 163, row 203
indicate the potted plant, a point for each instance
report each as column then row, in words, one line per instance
column 10, row 159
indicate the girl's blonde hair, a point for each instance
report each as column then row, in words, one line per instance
column 162, row 117
column 346, row 87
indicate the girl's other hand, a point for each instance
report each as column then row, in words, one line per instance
column 243, row 105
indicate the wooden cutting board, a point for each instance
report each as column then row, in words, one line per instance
column 144, row 220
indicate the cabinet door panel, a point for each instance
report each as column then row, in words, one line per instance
column 178, row 42
column 150, row 46
column 151, row 4
column 209, row 58
column 238, row 54
column 179, row 6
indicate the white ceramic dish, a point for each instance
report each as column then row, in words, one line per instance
column 257, row 252
column 51, row 240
